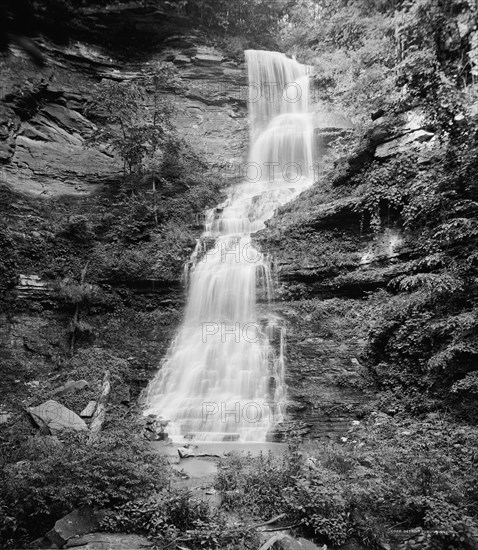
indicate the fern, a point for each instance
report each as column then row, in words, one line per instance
column 456, row 231
column 438, row 283
column 448, row 356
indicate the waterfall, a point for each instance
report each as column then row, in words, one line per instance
column 223, row 375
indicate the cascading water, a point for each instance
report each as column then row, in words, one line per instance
column 223, row 375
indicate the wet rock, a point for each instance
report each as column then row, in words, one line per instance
column 154, row 428
column 185, row 452
column 56, row 417
column 77, row 523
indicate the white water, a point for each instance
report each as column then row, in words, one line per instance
column 223, row 375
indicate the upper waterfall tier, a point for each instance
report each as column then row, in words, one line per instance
column 281, row 125
column 276, row 85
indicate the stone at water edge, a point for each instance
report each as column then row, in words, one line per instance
column 184, row 452
column 76, row 523
column 56, row 417
column 154, row 428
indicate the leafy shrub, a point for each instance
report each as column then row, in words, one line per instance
column 79, row 293
column 8, row 261
column 414, row 475
column 173, row 516
column 78, row 227
column 53, row 477
column 165, row 511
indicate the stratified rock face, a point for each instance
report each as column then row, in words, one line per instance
column 327, row 386
column 56, row 417
column 43, row 128
column 327, row 267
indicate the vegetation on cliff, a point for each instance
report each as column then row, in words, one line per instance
column 419, row 58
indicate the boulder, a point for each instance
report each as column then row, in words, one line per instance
column 109, row 541
column 89, row 410
column 185, row 452
column 282, row 541
column 76, row 523
column 56, row 417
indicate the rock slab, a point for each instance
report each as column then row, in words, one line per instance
column 109, row 541
column 77, row 523
column 89, row 410
column 56, row 417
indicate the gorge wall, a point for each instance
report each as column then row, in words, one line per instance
column 51, row 177
column 325, row 266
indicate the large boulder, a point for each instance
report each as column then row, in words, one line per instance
column 56, row 417
column 75, row 524
column 109, row 541
column 283, row 541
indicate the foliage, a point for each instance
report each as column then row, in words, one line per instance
column 162, row 257
column 135, row 130
column 372, row 55
column 78, row 227
column 351, row 47
column 8, row 261
column 420, row 64
column 45, row 478
column 79, row 293
column 174, row 516
column 90, row 364
column 255, row 20
column 414, row 475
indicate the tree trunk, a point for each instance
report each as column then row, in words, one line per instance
column 100, row 412
column 77, row 311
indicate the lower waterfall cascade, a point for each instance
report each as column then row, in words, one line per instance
column 222, row 378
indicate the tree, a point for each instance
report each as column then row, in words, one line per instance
column 134, row 124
